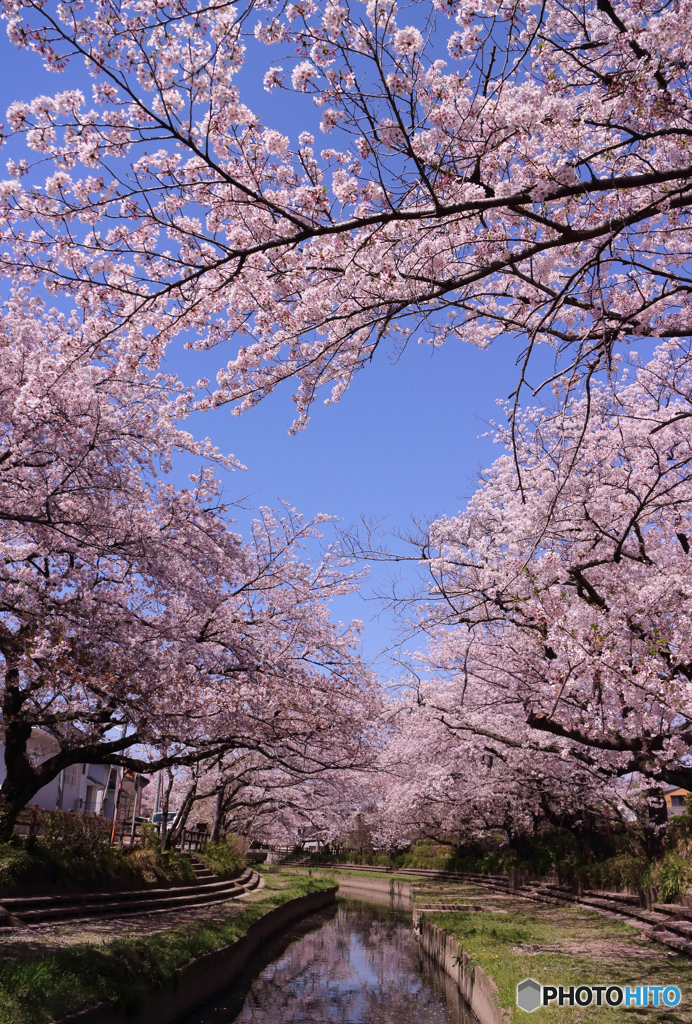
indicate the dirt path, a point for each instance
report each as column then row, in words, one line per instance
column 58, row 936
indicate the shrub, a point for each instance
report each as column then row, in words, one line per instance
column 73, row 850
column 151, row 865
column 680, row 827
column 672, row 876
column 626, row 870
column 149, row 837
column 79, row 835
column 14, row 862
column 226, row 857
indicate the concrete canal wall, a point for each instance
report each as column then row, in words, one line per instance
column 390, row 891
column 476, row 987
column 209, row 974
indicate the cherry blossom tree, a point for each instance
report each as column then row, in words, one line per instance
column 286, row 809
column 450, row 776
column 559, row 601
column 491, row 168
column 136, row 626
column 264, row 798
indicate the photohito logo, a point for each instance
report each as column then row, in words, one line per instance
column 531, row 995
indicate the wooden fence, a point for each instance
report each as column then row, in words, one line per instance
column 191, row 840
column 34, row 822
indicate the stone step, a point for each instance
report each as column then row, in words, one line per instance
column 16, row 904
column 681, row 927
column 669, row 938
column 46, row 914
column 620, row 897
column 36, row 910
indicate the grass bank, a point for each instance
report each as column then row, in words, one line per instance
column 40, row 983
column 568, row 946
column 337, row 869
column 27, row 868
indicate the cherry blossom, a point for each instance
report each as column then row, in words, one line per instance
column 516, row 169
column 558, row 611
column 136, row 626
column 442, row 781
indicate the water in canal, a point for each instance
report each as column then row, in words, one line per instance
column 355, row 963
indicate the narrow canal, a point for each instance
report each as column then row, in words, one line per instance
column 356, row 963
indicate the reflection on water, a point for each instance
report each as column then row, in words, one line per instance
column 357, row 964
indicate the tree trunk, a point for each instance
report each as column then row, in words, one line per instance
column 656, row 824
column 164, row 811
column 8, row 817
column 218, row 815
column 183, row 814
column 521, row 845
column 587, row 839
column 21, row 779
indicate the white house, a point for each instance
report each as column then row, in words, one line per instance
column 84, row 788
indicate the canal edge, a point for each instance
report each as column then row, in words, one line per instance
column 211, row 973
column 476, row 987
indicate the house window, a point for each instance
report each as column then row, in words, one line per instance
column 71, row 775
column 678, row 801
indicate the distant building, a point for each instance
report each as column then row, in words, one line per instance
column 675, row 800
column 83, row 788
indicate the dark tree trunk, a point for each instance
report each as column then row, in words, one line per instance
column 655, row 825
column 183, row 814
column 521, row 845
column 588, row 840
column 164, row 809
column 218, row 815
column 22, row 781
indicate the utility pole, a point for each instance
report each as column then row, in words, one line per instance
column 120, row 772
column 61, row 790
column 135, row 812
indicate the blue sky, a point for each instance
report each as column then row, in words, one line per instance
column 403, row 441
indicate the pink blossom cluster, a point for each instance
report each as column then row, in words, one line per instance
column 136, row 625
column 558, row 618
column 518, row 169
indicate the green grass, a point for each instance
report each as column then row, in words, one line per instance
column 338, row 869
column 38, row 985
column 568, row 946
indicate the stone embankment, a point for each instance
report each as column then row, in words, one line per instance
column 391, row 891
column 33, row 911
